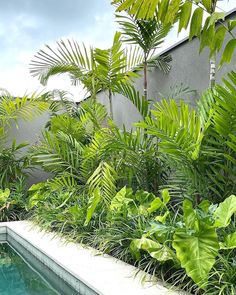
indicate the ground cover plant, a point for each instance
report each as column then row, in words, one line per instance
column 160, row 196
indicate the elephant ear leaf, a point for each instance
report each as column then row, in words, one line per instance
column 118, row 201
column 156, row 250
column 225, row 211
column 165, row 196
column 190, row 217
column 4, row 195
column 230, row 242
column 196, row 252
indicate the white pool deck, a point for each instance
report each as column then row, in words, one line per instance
column 102, row 273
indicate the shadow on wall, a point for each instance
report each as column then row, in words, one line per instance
column 30, row 132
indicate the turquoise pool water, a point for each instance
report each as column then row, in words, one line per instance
column 18, row 278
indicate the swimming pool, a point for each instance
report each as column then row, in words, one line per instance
column 17, row 277
column 32, row 262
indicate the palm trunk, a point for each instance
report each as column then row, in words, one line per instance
column 212, row 72
column 110, row 103
column 213, row 58
column 145, row 82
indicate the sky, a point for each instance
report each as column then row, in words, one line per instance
column 27, row 25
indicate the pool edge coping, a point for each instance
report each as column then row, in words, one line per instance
column 121, row 273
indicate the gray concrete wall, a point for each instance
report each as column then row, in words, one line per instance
column 30, row 132
column 188, row 67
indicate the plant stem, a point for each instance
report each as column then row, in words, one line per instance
column 145, row 76
column 110, row 103
column 212, row 71
column 213, row 58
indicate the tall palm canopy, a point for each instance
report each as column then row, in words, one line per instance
column 96, row 69
column 149, row 36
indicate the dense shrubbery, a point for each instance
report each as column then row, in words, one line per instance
column 154, row 203
column 160, row 196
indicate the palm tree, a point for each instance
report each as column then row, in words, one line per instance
column 94, row 68
column 115, row 66
column 148, row 35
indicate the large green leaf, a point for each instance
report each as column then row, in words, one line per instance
column 196, row 252
column 4, row 195
column 120, row 199
column 196, row 23
column 230, row 242
column 228, row 52
column 225, row 211
column 155, row 249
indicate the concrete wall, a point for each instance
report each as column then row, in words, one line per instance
column 188, row 67
column 30, row 132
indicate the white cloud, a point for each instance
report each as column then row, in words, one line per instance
column 24, row 29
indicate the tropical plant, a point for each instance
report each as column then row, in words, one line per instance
column 116, row 65
column 222, row 276
column 199, row 143
column 13, row 201
column 96, row 69
column 194, row 241
column 148, row 35
column 12, row 165
column 14, row 108
column 189, row 15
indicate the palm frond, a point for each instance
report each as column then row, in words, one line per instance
column 57, row 156
column 104, row 179
column 68, row 57
column 143, row 9
column 140, row 102
column 182, row 138
column 162, row 62
column 148, row 34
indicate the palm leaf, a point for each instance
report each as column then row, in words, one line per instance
column 140, row 102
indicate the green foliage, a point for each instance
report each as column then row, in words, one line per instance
column 139, row 101
column 13, row 202
column 147, row 34
column 12, row 164
column 141, row 9
column 230, row 242
column 200, row 143
column 106, row 189
column 14, row 108
column 95, row 68
column 222, row 276
column 225, row 211
column 192, row 240
column 119, row 190
column 188, row 14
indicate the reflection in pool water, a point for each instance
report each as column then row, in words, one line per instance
column 18, row 278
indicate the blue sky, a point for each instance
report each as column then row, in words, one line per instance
column 26, row 25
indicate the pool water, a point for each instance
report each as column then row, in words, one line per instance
column 18, row 278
